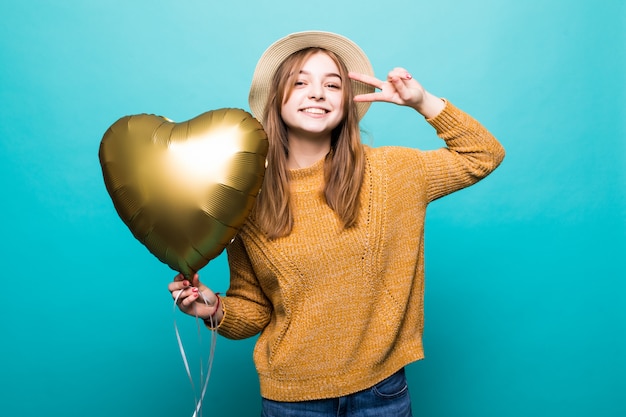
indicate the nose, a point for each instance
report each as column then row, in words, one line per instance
column 316, row 92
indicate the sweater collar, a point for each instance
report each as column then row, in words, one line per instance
column 307, row 179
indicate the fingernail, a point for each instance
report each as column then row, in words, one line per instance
column 186, row 283
column 194, row 289
column 408, row 76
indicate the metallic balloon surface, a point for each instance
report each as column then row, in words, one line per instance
column 184, row 189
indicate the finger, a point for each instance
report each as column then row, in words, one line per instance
column 181, row 293
column 404, row 79
column 410, row 91
column 195, row 280
column 400, row 73
column 188, row 297
column 400, row 84
column 177, row 285
column 370, row 97
column 367, row 79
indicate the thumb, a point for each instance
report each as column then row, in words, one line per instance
column 195, row 280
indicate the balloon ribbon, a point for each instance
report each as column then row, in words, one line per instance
column 204, row 381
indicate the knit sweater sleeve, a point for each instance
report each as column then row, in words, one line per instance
column 471, row 154
column 246, row 308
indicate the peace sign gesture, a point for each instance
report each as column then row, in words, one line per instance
column 402, row 89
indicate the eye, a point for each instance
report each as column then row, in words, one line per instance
column 334, row 83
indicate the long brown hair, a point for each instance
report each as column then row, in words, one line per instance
column 344, row 165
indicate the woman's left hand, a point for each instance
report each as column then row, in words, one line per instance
column 402, row 89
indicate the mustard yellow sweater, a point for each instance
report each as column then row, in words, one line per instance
column 340, row 310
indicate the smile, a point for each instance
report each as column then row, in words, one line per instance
column 314, row 110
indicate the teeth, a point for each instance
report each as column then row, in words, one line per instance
column 315, row 111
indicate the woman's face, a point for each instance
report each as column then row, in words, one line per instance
column 315, row 105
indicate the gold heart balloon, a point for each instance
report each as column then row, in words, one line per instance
column 184, row 189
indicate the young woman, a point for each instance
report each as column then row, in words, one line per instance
column 329, row 267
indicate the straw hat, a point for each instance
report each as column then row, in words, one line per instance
column 353, row 57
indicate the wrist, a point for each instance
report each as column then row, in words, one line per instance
column 430, row 106
column 211, row 320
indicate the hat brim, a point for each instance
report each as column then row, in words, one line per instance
column 353, row 57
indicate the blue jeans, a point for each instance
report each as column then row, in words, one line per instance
column 388, row 398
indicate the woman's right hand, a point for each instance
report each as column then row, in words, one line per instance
column 400, row 88
column 190, row 301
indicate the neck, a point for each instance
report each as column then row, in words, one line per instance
column 306, row 151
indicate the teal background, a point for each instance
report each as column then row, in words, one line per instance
column 525, row 304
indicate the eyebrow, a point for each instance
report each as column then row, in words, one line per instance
column 328, row 74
